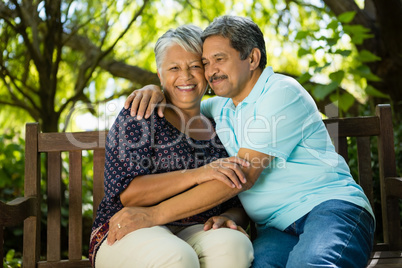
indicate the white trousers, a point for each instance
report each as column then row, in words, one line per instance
column 192, row 247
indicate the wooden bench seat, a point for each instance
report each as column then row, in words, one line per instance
column 387, row 251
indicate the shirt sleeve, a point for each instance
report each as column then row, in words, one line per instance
column 206, row 108
column 212, row 106
column 280, row 116
column 128, row 153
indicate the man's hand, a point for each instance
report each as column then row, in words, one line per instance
column 144, row 100
column 128, row 220
column 223, row 221
column 227, row 170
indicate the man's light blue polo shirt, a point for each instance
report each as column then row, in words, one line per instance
column 280, row 118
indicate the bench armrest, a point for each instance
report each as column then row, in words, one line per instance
column 393, row 187
column 17, row 210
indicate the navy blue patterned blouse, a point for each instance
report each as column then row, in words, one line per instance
column 149, row 146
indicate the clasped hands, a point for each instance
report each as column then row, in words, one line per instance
column 226, row 170
column 130, row 219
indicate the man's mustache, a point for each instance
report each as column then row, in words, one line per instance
column 216, row 77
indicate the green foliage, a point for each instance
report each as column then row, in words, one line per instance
column 12, row 152
column 303, row 39
column 370, row 90
column 347, row 16
column 321, row 91
column 358, row 33
column 365, row 72
column 11, row 261
column 11, row 165
column 345, row 100
column 367, row 56
column 344, row 66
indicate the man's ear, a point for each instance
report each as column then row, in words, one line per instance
column 254, row 58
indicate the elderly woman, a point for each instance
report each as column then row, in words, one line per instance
column 151, row 160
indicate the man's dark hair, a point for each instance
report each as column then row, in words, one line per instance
column 243, row 33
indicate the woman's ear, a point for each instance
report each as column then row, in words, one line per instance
column 160, row 79
column 254, row 58
column 159, row 76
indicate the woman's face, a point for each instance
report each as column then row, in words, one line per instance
column 182, row 77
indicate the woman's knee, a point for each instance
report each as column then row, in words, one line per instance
column 180, row 255
column 225, row 248
column 173, row 256
column 147, row 248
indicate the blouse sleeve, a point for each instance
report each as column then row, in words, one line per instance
column 127, row 153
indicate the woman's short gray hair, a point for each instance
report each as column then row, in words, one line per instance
column 187, row 36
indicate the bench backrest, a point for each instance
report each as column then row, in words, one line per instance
column 52, row 144
column 363, row 129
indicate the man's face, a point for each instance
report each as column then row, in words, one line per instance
column 227, row 74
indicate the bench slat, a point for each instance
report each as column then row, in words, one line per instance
column 387, row 164
column 54, row 206
column 31, row 242
column 385, row 259
column 98, row 168
column 343, row 148
column 54, row 142
column 364, row 166
column 75, row 206
column 65, row 264
column 354, row 126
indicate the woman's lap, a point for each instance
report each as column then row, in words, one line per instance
column 219, row 248
column 148, row 247
column 191, row 247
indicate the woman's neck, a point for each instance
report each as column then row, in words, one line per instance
column 190, row 122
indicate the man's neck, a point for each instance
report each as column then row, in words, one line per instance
column 255, row 75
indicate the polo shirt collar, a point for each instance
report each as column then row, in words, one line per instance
column 259, row 86
column 255, row 92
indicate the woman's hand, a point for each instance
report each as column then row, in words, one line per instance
column 144, row 100
column 227, row 170
column 128, row 220
column 223, row 221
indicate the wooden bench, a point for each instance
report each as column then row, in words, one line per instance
column 387, row 253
